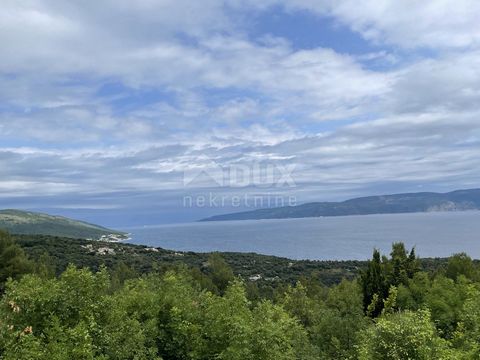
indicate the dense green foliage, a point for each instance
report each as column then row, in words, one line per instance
column 199, row 306
column 80, row 316
column 13, row 262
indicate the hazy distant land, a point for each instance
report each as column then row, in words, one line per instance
column 460, row 200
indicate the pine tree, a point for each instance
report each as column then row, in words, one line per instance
column 373, row 282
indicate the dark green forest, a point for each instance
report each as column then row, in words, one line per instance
column 75, row 299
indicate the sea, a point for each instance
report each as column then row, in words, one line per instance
column 436, row 234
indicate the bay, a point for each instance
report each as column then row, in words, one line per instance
column 439, row 234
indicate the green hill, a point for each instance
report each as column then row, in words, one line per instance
column 27, row 222
column 459, row 200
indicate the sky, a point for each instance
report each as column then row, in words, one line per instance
column 130, row 113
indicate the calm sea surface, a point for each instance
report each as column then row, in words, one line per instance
column 329, row 238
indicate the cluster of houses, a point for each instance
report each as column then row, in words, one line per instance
column 99, row 251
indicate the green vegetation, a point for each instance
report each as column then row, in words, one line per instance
column 273, row 270
column 13, row 262
column 132, row 302
column 26, row 222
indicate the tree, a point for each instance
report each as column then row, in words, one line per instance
column 342, row 320
column 445, row 299
column 13, row 261
column 373, row 283
column 402, row 336
column 412, row 295
column 266, row 332
column 413, row 264
column 72, row 317
column 44, row 266
column 467, row 335
column 121, row 273
column 399, row 265
column 382, row 274
column 220, row 272
column 460, row 264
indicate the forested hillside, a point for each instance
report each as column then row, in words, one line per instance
column 395, row 308
column 28, row 222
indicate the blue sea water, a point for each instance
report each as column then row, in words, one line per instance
column 328, row 238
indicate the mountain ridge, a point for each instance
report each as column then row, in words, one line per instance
column 30, row 222
column 458, row 200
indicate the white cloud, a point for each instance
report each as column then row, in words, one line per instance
column 438, row 24
column 221, row 96
column 56, row 58
column 450, row 82
column 407, row 148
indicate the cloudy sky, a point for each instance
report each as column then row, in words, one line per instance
column 106, row 105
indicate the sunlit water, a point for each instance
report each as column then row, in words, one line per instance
column 328, row 238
